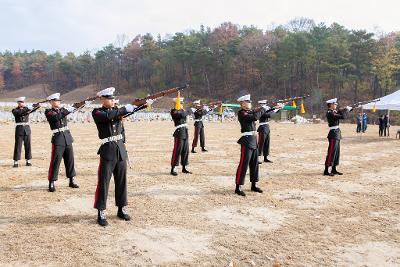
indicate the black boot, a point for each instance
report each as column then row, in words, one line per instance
column 326, row 172
column 267, row 160
column 15, row 164
column 334, row 171
column 204, row 150
column 239, row 191
column 28, row 163
column 101, row 218
column 122, row 214
column 173, row 172
column 254, row 188
column 193, row 151
column 72, row 183
column 52, row 187
column 184, row 170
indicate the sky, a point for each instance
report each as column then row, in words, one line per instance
column 80, row 25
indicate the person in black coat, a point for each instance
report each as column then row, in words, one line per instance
column 264, row 132
column 381, row 125
column 22, row 130
column 248, row 144
column 386, row 125
column 198, row 113
column 333, row 116
column 181, row 140
column 61, row 142
column 113, row 154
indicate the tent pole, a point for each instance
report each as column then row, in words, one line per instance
column 388, row 123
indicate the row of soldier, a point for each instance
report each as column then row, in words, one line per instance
column 254, row 144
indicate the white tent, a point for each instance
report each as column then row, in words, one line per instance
column 388, row 102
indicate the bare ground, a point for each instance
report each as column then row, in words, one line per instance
column 302, row 219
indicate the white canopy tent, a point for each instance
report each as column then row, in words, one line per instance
column 388, row 102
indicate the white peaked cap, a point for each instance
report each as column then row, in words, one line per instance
column 196, row 102
column 55, row 96
column 20, row 99
column 244, row 98
column 174, row 99
column 332, row 101
column 262, row 102
column 107, row 92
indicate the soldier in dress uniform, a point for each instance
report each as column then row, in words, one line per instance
column 61, row 142
column 181, row 137
column 22, row 130
column 264, row 132
column 333, row 116
column 248, row 142
column 113, row 154
column 199, row 112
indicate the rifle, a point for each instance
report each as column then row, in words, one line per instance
column 286, row 100
column 36, row 106
column 82, row 103
column 358, row 104
column 141, row 102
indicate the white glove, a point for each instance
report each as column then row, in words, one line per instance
column 88, row 103
column 206, row 108
column 149, row 102
column 349, row 108
column 30, row 106
column 281, row 105
column 70, row 109
column 193, row 110
column 129, row 108
column 265, row 107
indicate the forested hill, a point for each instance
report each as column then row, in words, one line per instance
column 222, row 63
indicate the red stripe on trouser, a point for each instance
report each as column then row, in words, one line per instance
column 196, row 133
column 239, row 170
column 51, row 163
column 96, row 196
column 330, row 152
column 174, row 152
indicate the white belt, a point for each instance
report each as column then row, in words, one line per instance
column 249, row 133
column 180, row 126
column 334, row 127
column 198, row 120
column 263, row 123
column 59, row 130
column 21, row 123
column 113, row 138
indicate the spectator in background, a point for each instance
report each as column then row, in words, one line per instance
column 386, row 125
column 381, row 125
column 364, row 122
column 359, row 122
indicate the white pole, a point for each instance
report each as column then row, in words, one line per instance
column 388, row 123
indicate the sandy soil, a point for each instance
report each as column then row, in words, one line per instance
column 302, row 219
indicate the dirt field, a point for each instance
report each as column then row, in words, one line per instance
column 302, row 219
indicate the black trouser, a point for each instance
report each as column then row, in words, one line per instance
column 358, row 127
column 380, row 131
column 118, row 168
column 263, row 144
column 181, row 149
column 57, row 154
column 332, row 157
column 248, row 158
column 198, row 131
column 19, row 139
column 387, row 129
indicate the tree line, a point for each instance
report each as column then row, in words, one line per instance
column 222, row 63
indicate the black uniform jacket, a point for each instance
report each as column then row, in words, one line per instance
column 198, row 115
column 265, row 118
column 333, row 118
column 179, row 117
column 22, row 115
column 57, row 119
column 247, row 120
column 109, row 123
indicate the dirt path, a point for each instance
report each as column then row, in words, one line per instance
column 302, row 219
